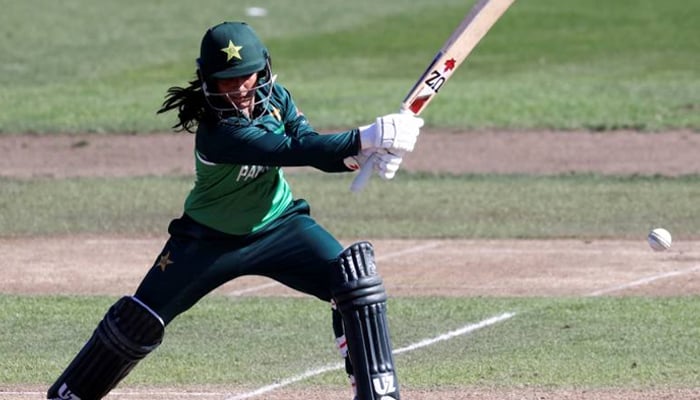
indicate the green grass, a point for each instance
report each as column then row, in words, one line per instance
column 411, row 206
column 81, row 65
column 594, row 342
column 99, row 66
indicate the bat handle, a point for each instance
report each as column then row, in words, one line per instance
column 364, row 175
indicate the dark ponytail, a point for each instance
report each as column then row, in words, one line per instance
column 190, row 104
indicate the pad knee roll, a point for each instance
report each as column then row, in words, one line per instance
column 127, row 333
column 360, row 297
column 356, row 282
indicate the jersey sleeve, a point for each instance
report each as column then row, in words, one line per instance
column 289, row 142
column 298, row 126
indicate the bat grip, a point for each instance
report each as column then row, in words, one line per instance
column 364, row 175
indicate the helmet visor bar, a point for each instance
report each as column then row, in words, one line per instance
column 224, row 101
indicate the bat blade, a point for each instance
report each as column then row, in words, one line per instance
column 458, row 46
column 482, row 16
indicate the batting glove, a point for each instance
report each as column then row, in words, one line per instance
column 387, row 164
column 393, row 132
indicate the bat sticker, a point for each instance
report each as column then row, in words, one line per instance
column 435, row 80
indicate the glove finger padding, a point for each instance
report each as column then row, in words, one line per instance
column 394, row 132
column 387, row 165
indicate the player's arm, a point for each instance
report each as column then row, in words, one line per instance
column 298, row 127
column 392, row 135
column 257, row 146
column 295, row 143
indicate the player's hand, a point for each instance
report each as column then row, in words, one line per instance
column 393, row 132
column 383, row 163
column 354, row 163
column 387, row 164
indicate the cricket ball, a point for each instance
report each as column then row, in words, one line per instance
column 659, row 239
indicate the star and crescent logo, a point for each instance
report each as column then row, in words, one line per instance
column 232, row 51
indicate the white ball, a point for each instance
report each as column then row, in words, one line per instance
column 659, row 239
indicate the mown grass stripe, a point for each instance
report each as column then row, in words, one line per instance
column 415, row 346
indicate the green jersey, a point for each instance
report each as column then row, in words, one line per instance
column 240, row 186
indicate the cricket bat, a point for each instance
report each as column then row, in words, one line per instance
column 461, row 42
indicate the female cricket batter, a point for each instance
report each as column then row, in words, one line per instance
column 240, row 219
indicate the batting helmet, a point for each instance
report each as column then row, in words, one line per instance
column 231, row 49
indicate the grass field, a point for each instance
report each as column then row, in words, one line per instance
column 500, row 206
column 595, row 65
column 605, row 342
